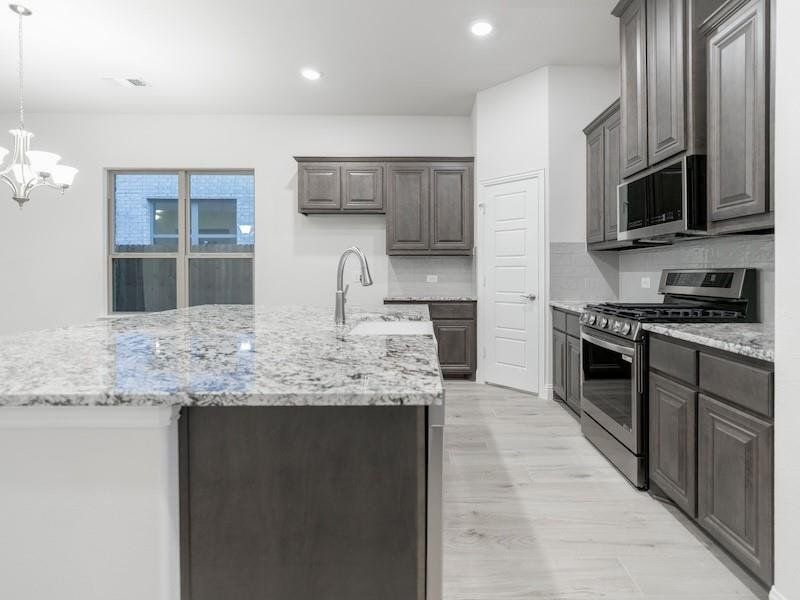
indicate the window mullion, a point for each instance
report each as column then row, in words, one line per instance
column 183, row 266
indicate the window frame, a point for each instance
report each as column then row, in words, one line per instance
column 183, row 254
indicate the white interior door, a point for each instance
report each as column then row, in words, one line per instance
column 512, row 267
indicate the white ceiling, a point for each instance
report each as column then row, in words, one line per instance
column 398, row 57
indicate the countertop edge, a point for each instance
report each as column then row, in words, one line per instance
column 710, row 341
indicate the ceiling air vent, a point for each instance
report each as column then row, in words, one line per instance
column 127, row 81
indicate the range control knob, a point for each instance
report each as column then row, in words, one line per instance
column 603, row 322
column 626, row 329
column 584, row 318
column 617, row 326
column 592, row 319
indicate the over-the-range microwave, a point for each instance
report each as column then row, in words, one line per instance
column 669, row 201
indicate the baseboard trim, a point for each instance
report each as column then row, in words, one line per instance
column 774, row 594
column 547, row 392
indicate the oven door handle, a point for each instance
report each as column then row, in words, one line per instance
column 624, row 350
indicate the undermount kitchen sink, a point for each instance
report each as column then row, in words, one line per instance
column 393, row 328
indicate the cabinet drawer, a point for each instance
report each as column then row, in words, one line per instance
column 743, row 384
column 559, row 320
column 675, row 360
column 452, row 310
column 573, row 325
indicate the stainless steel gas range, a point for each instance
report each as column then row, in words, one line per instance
column 614, row 355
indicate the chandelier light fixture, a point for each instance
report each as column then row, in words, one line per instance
column 30, row 169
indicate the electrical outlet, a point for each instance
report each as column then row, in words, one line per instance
column 645, row 283
column 432, row 279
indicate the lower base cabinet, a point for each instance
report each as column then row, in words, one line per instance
column 711, row 445
column 567, row 359
column 559, row 364
column 573, row 371
column 735, row 475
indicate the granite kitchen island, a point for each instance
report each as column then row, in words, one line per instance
column 223, row 452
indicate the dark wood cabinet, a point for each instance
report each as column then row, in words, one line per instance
column 451, row 208
column 331, row 186
column 711, row 444
column 408, row 209
column 455, row 325
column 429, row 209
column 633, row 87
column 572, row 371
column 362, row 187
column 736, row 483
column 319, row 187
column 559, row 364
column 595, row 187
column 738, row 128
column 612, row 173
column 673, row 438
column 666, row 97
column 602, row 177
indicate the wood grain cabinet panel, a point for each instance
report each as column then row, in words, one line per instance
column 572, row 370
column 457, row 345
column 362, row 187
column 633, row 87
column 595, row 187
column 735, row 494
column 612, row 173
column 673, row 454
column 666, row 95
column 319, row 187
column 559, row 364
column 451, row 207
column 408, row 208
column 737, row 114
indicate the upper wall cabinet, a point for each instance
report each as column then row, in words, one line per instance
column 662, row 80
column 331, row 186
column 738, row 37
column 429, row 208
column 602, row 179
column 633, row 86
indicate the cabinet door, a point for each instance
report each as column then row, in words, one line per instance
column 666, row 103
column 673, row 455
column 595, row 188
column 362, row 186
column 611, row 179
column 456, row 341
column 451, row 208
column 573, row 374
column 559, row 364
column 736, row 482
column 407, row 210
column 319, row 187
column 633, row 87
column 737, row 134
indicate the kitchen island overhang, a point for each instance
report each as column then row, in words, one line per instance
column 236, row 369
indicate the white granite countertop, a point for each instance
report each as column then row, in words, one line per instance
column 573, row 306
column 755, row 340
column 223, row 355
column 425, row 298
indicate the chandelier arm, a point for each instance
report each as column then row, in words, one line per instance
column 9, row 182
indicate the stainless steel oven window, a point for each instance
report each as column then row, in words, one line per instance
column 148, row 271
column 611, row 386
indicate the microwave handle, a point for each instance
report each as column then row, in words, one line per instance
column 624, row 350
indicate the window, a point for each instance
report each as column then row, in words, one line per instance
column 180, row 238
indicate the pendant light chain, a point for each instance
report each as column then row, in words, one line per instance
column 21, row 106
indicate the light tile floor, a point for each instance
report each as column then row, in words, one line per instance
column 533, row 511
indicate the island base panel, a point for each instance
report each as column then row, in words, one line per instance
column 303, row 503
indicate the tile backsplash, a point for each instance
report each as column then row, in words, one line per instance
column 576, row 274
column 755, row 251
column 408, row 276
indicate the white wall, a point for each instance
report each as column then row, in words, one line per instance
column 576, row 96
column 52, row 253
column 787, row 291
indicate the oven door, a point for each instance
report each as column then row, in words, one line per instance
column 611, row 391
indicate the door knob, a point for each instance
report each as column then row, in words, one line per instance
column 528, row 296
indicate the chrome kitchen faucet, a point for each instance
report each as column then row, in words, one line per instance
column 341, row 290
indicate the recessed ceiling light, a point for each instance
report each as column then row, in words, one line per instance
column 127, row 81
column 481, row 28
column 20, row 10
column 310, row 74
